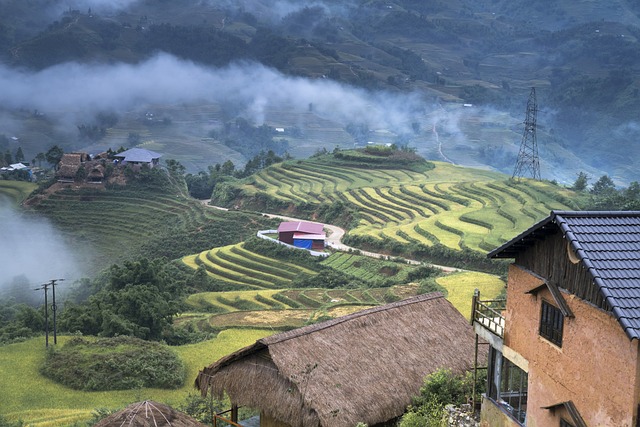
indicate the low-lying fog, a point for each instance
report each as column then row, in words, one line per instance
column 32, row 253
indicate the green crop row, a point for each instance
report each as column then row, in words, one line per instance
column 238, row 266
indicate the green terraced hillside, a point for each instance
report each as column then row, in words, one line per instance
column 118, row 223
column 244, row 269
column 454, row 206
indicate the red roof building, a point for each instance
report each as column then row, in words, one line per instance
column 307, row 235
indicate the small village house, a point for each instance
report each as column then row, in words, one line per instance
column 69, row 165
column 301, row 234
column 96, row 175
column 138, row 157
column 565, row 348
column 363, row 367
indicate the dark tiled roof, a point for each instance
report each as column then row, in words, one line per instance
column 608, row 243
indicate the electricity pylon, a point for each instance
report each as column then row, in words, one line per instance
column 528, row 156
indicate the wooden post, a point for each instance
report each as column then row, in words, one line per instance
column 475, row 374
column 234, row 413
column 474, row 302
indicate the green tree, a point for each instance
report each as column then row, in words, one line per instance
column 138, row 298
column 580, row 183
column 633, row 191
column 54, row 155
column 8, row 159
column 227, row 168
column 40, row 157
column 19, row 155
column 175, row 167
column 603, row 186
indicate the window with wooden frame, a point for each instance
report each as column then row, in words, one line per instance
column 507, row 386
column 551, row 323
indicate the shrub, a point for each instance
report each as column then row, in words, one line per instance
column 440, row 388
column 119, row 363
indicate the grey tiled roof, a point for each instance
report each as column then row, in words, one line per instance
column 138, row 155
column 608, row 243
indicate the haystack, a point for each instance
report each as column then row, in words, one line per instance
column 149, row 414
column 362, row 367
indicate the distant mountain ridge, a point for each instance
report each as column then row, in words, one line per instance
column 583, row 56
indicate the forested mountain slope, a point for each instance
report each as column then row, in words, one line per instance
column 582, row 57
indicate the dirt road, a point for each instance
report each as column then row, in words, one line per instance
column 334, row 239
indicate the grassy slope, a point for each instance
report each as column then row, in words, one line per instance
column 461, row 286
column 38, row 401
column 116, row 224
column 16, row 191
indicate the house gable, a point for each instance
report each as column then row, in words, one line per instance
column 593, row 255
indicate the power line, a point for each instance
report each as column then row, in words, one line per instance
column 54, row 308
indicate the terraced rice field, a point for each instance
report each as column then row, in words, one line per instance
column 16, row 191
column 284, row 309
column 456, row 207
column 118, row 222
column 237, row 266
column 370, row 269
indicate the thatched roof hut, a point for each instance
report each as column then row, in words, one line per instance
column 69, row 165
column 362, row 367
column 97, row 173
column 149, row 414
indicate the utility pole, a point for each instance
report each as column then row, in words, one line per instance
column 528, row 155
column 54, row 308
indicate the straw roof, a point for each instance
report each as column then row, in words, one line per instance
column 97, row 172
column 149, row 414
column 69, row 164
column 362, row 367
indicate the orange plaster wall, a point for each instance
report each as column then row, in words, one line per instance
column 596, row 368
column 492, row 416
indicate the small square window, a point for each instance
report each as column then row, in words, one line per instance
column 551, row 323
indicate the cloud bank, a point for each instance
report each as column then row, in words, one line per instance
column 74, row 88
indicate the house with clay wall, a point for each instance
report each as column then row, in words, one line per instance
column 564, row 348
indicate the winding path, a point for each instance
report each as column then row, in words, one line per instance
column 334, row 239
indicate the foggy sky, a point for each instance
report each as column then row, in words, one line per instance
column 31, row 247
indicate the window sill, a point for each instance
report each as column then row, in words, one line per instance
column 505, row 409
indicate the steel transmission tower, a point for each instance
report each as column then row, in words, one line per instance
column 528, row 155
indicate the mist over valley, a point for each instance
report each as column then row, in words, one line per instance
column 400, row 70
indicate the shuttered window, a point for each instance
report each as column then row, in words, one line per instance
column 551, row 323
